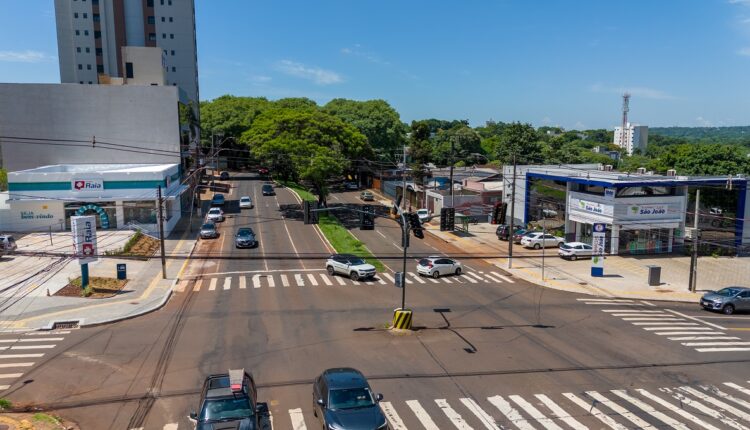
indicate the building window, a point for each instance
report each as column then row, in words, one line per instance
column 95, row 2
column 173, row 52
column 97, row 34
column 165, row 52
column 171, row 19
column 97, row 17
column 81, row 82
column 98, row 52
column 80, row 67
column 174, row 69
column 143, row 212
column 99, row 68
column 129, row 70
column 75, row 15
column 90, row 81
column 164, row 35
column 171, row 35
column 152, row 37
column 85, row 32
column 169, row 2
column 85, row 15
column 151, row 20
column 162, row 19
column 78, row 49
column 88, row 50
column 162, row 2
column 88, row 66
column 149, row 3
column 78, row 32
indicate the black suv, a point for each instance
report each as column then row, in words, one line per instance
column 267, row 190
column 342, row 399
column 503, row 232
column 228, row 398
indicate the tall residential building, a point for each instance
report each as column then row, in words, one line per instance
column 636, row 137
column 91, row 35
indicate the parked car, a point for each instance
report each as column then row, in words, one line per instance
column 263, row 171
column 217, row 200
column 366, row 196
column 245, row 238
column 267, row 190
column 209, row 231
column 351, row 185
column 520, row 234
column 228, row 400
column 342, row 399
column 424, row 215
column 435, row 266
column 246, row 202
column 503, row 232
column 354, row 267
column 727, row 300
column 224, row 176
column 539, row 239
column 575, row 250
column 215, row 215
column 7, row 244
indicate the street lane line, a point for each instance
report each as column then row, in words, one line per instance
column 560, row 413
column 46, row 333
column 739, row 388
column 390, row 278
column 647, row 303
column 661, row 315
column 718, row 403
column 243, row 282
column 605, row 300
column 717, row 392
column 484, row 417
column 504, row 278
column 4, row 387
column 36, row 355
column 675, row 409
column 39, row 339
column 312, row 279
column 469, row 278
column 687, row 333
column 381, row 281
column 271, row 282
column 650, row 410
column 633, row 418
column 256, row 281
column 381, row 234
column 392, row 416
column 716, row 343
column 298, row 420
column 677, row 326
column 492, row 278
column 326, row 279
column 510, row 412
column 300, row 280
column 27, row 364
column 696, row 319
column 339, row 280
column 670, row 324
column 170, row 426
column 632, row 310
column 284, row 281
column 655, row 318
column 212, row 284
column 10, row 375
column 29, row 347
column 535, row 413
column 452, row 415
column 446, row 280
column 227, row 283
column 422, row 415
column 733, row 349
column 417, row 278
column 704, row 338
column 711, row 412
column 611, row 303
column 592, row 410
column 197, row 286
column 479, row 278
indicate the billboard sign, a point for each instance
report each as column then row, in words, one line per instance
column 84, row 238
column 598, row 243
column 83, row 185
column 648, row 210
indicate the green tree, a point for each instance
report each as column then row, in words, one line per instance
column 521, row 140
column 376, row 119
column 420, row 150
column 230, row 115
column 296, row 103
column 465, row 142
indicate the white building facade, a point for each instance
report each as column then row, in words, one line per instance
column 636, row 137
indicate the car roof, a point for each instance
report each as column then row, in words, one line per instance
column 245, row 198
column 214, row 209
column 218, row 385
column 576, row 243
column 245, row 229
column 344, row 377
column 208, row 224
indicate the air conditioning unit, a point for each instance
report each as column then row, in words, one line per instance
column 640, row 170
column 671, row 172
column 608, row 168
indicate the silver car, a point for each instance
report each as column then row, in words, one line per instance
column 727, row 300
column 575, row 250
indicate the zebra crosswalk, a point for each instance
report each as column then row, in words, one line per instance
column 710, row 407
column 242, row 281
column 21, row 350
column 672, row 325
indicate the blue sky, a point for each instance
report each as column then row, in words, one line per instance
column 547, row 62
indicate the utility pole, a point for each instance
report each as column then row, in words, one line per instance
column 161, row 234
column 405, row 235
column 696, row 239
column 451, row 169
column 403, row 190
column 512, row 214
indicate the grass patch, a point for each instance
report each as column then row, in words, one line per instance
column 344, row 242
column 302, row 191
column 5, row 404
column 44, row 418
column 139, row 245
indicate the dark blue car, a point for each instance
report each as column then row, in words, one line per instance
column 343, row 400
column 228, row 400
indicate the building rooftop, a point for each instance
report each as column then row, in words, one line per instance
column 98, row 168
column 586, row 173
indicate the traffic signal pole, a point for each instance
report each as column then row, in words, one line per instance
column 405, row 236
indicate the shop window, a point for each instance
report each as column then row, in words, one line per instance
column 645, row 191
column 141, row 212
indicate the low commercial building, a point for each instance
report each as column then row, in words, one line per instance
column 643, row 213
column 120, row 195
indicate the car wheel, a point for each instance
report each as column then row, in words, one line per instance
column 537, row 246
column 560, row 244
column 330, row 270
column 354, row 276
column 458, row 271
column 436, row 274
column 574, row 257
column 728, row 309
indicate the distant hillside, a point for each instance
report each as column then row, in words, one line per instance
column 740, row 134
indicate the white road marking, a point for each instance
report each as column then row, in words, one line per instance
column 39, row 339
column 284, row 281
column 170, row 426
column 504, row 278
column 633, row 418
column 312, row 279
column 711, row 412
column 390, row 278
column 339, row 280
column 650, row 410
column 535, row 413
column 742, row 390
column 326, row 279
column 10, row 375
column 392, row 416
column 510, row 412
column 300, row 280
column 381, row 234
column 46, row 333
column 197, row 286
column 492, row 278
column 271, row 282
column 647, row 303
column 417, row 278
column 446, row 280
column 605, row 300
column 4, row 387
column 732, row 349
column 36, row 355
column 381, row 281
column 469, row 278
column 479, row 278
column 679, row 326
column 718, row 403
column 452, row 415
column 717, row 392
column 670, row 324
column 594, row 412
column 704, row 338
column 655, row 315
column 243, row 282
column 27, row 364
column 422, row 415
column 611, row 303
column 654, row 318
column 675, row 409
column 28, row 347
column 212, row 284
column 180, row 286
column 484, row 417
column 560, row 413
column 696, row 319
column 298, row 420
column 694, row 331
column 632, row 311
column 227, row 283
column 256, row 281
column 716, row 343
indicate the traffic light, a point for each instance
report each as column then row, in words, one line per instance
column 447, row 219
column 366, row 218
column 309, row 216
column 416, row 225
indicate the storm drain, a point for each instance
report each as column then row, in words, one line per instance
column 64, row 325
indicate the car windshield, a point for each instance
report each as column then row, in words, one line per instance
column 244, row 232
column 566, row 246
column 267, row 187
column 350, row 398
column 424, row 262
column 214, row 211
column 207, row 227
column 226, row 408
column 356, row 261
column 728, row 292
column 245, row 199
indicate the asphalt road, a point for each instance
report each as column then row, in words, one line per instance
column 484, row 347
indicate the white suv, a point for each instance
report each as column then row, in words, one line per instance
column 215, row 215
column 354, row 267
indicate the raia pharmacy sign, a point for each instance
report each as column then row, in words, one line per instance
column 81, row 185
column 84, row 238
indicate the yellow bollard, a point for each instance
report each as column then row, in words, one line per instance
column 402, row 319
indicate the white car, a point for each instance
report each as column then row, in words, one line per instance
column 538, row 240
column 435, row 266
column 246, row 202
column 424, row 215
column 215, row 215
column 352, row 266
column 575, row 250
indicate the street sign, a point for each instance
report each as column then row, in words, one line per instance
column 399, row 279
column 598, row 243
column 84, row 238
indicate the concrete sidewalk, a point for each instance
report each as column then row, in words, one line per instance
column 145, row 292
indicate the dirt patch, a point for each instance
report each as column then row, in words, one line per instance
column 99, row 288
column 140, row 245
column 37, row 421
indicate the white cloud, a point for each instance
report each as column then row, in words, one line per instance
column 745, row 2
column 368, row 56
column 646, row 93
column 259, row 79
column 312, row 73
column 703, row 122
column 744, row 52
column 27, row 56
